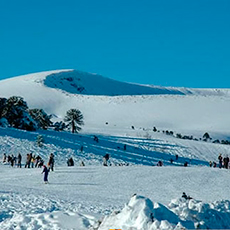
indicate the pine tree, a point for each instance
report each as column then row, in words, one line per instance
column 40, row 140
column 2, row 105
column 42, row 119
column 15, row 110
column 74, row 118
column 206, row 136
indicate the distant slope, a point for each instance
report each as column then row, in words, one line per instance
column 77, row 82
column 189, row 111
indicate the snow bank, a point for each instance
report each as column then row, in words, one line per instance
column 38, row 212
column 141, row 213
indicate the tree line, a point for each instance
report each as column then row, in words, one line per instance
column 14, row 112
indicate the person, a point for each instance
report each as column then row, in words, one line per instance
column 19, row 160
column 33, row 161
column 40, row 163
column 185, row 164
column 160, row 163
column 51, row 162
column 46, row 173
column 70, row 162
column 4, row 158
column 82, row 148
column 12, row 161
column 124, row 146
column 96, row 139
column 28, row 160
column 210, row 163
column 177, row 157
column 82, row 163
column 37, row 160
column 220, row 158
column 8, row 159
column 226, row 161
column 186, row 197
column 105, row 159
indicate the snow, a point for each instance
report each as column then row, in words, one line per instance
column 77, row 197
column 97, row 197
column 142, row 213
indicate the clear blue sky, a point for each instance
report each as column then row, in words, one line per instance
column 161, row 42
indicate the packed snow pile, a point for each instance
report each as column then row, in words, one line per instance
column 37, row 212
column 142, row 214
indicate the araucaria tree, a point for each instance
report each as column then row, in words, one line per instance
column 40, row 116
column 74, row 118
column 15, row 110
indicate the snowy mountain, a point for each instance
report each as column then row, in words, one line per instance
column 122, row 116
column 178, row 109
column 129, row 117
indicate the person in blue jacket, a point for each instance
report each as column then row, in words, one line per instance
column 46, row 173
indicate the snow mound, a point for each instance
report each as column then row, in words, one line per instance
column 38, row 212
column 141, row 213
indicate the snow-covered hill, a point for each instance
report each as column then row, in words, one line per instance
column 182, row 110
column 122, row 115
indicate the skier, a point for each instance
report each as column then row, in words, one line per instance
column 46, row 173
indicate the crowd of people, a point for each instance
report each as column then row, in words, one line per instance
column 223, row 162
column 31, row 161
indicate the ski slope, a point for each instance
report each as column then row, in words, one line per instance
column 119, row 114
column 78, row 197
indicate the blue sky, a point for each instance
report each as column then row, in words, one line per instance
column 163, row 42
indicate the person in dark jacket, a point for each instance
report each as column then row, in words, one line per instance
column 70, row 162
column 51, row 162
column 184, row 195
column 46, row 173
column 220, row 158
column 105, row 159
column 19, row 160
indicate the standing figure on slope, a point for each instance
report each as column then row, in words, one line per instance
column 51, row 162
column 19, row 160
column 105, row 159
column 46, row 173
column 4, row 158
column 220, row 158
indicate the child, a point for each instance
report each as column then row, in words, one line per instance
column 46, row 172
